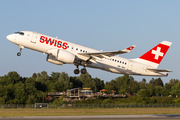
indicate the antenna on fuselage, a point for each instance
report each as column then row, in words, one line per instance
column 56, row 36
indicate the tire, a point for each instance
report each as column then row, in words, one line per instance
column 76, row 71
column 83, row 71
column 18, row 54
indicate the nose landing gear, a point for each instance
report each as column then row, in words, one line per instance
column 19, row 53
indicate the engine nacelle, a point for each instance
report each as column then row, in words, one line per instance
column 65, row 56
column 52, row 59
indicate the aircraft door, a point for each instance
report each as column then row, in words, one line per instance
column 34, row 37
column 130, row 65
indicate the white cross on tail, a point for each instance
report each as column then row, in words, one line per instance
column 157, row 53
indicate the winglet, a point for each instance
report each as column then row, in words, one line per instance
column 129, row 48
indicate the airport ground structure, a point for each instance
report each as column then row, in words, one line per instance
column 77, row 94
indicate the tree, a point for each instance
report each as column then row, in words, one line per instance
column 11, row 78
column 156, row 82
column 65, row 81
column 173, row 81
column 144, row 93
column 158, row 90
column 84, row 77
column 55, row 75
column 167, row 87
column 8, row 94
column 34, row 75
column 151, row 89
column 176, row 90
column 108, row 86
column 42, row 77
column 20, row 93
column 159, row 82
column 58, row 86
column 30, row 86
column 97, row 84
column 122, row 85
column 143, row 84
column 134, row 87
column 76, row 82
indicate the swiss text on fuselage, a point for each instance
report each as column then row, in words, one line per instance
column 54, row 42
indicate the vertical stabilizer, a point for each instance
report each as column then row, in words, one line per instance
column 154, row 56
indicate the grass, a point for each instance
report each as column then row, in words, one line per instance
column 75, row 112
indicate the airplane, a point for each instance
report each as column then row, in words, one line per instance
column 61, row 52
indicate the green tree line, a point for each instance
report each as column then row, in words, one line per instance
column 15, row 89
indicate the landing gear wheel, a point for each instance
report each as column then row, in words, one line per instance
column 76, row 71
column 18, row 54
column 83, row 71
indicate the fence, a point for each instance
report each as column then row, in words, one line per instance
column 116, row 106
column 16, row 106
column 124, row 105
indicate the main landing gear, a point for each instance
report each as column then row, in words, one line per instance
column 19, row 53
column 83, row 70
column 76, row 71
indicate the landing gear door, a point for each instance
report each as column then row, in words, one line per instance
column 34, row 37
column 130, row 65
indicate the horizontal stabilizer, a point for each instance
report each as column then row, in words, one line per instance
column 158, row 70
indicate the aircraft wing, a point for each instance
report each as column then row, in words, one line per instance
column 107, row 54
column 158, row 70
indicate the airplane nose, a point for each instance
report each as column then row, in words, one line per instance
column 9, row 37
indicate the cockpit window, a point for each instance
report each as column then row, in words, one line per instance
column 21, row 33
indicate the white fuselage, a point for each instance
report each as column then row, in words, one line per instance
column 115, row 64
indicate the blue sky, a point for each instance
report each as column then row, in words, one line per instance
column 106, row 25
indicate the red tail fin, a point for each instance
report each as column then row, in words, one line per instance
column 157, row 53
column 154, row 56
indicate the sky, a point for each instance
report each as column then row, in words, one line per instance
column 106, row 25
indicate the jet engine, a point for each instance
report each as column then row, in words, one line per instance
column 57, row 55
column 65, row 56
column 52, row 59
